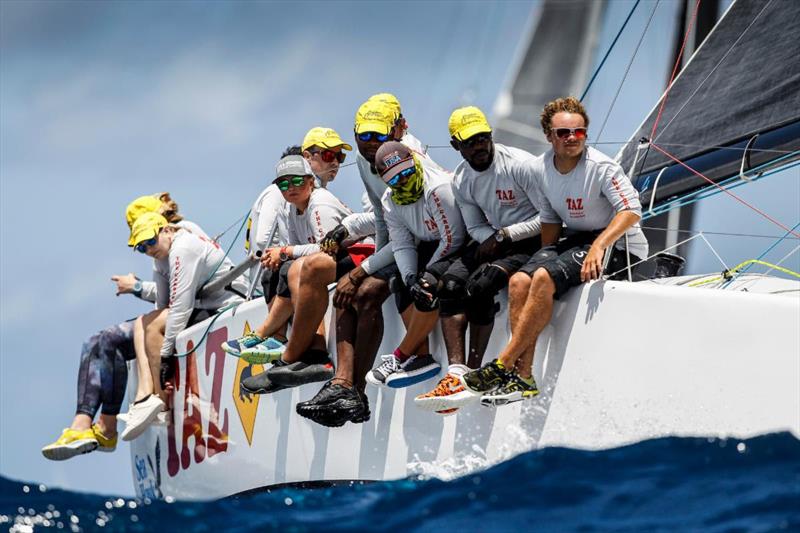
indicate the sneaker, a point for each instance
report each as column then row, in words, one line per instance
column 313, row 367
column 140, row 415
column 260, row 383
column 513, row 390
column 396, row 374
column 334, row 405
column 487, row 378
column 448, row 395
column 447, row 412
column 235, row 346
column 72, row 442
column 104, row 444
column 264, row 352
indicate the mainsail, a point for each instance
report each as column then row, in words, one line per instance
column 736, row 105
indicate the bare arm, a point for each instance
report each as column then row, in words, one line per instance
column 550, row 233
column 593, row 264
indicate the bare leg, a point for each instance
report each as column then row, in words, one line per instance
column 528, row 323
column 418, row 326
column 310, row 302
column 107, row 425
column 359, row 330
column 81, row 422
column 479, row 335
column 279, row 314
column 144, row 385
column 454, row 330
column 154, row 327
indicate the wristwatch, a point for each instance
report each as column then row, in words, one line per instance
column 137, row 288
column 501, row 235
column 283, row 256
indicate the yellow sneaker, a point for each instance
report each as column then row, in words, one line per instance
column 104, row 444
column 71, row 443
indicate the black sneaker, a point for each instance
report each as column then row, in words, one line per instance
column 332, row 406
column 261, row 383
column 487, row 378
column 513, row 390
column 314, row 366
column 365, row 414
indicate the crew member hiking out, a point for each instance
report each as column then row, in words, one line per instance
column 591, row 195
column 427, row 234
column 304, row 274
column 360, row 295
column 501, row 218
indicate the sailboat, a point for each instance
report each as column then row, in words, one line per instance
column 715, row 356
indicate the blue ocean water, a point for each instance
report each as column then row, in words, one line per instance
column 670, row 484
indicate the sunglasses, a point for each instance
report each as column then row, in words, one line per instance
column 369, row 135
column 295, row 181
column 477, row 139
column 400, row 175
column 329, row 156
column 563, row 133
column 144, row 245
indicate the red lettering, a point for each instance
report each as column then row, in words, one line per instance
column 216, row 439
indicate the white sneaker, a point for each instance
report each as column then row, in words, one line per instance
column 140, row 415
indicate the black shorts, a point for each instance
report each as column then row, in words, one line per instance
column 344, row 264
column 564, row 260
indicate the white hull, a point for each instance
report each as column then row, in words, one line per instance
column 687, row 361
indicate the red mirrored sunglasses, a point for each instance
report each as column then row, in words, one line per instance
column 563, row 133
column 329, row 156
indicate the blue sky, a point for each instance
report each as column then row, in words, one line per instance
column 103, row 102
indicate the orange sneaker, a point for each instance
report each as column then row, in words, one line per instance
column 446, row 397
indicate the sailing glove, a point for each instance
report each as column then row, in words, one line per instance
column 331, row 241
column 167, row 371
column 423, row 292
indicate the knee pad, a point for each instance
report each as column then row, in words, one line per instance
column 485, row 282
column 452, row 295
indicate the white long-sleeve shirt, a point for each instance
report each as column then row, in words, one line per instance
column 179, row 277
column 269, row 210
column 149, row 288
column 306, row 229
column 375, row 189
column 434, row 217
column 497, row 198
column 588, row 197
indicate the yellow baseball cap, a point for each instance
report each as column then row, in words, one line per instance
column 376, row 116
column 146, row 227
column 324, row 138
column 388, row 99
column 140, row 206
column 467, row 121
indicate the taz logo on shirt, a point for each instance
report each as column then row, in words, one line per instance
column 575, row 207
column 430, row 224
column 506, row 197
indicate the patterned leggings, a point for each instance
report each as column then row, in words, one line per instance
column 103, row 374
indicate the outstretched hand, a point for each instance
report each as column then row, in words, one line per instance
column 125, row 283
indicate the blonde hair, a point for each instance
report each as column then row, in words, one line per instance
column 169, row 208
column 570, row 104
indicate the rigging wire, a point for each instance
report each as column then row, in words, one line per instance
column 699, row 147
column 653, row 137
column 723, row 189
column 627, row 70
column 608, row 52
column 723, row 233
column 675, row 68
column 712, row 71
column 763, row 254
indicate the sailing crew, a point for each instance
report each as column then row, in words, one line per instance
column 183, row 262
column 304, row 274
column 103, row 371
column 427, row 232
column 589, row 194
column 359, row 296
column 501, row 218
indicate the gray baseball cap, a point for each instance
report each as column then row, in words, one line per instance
column 292, row 165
